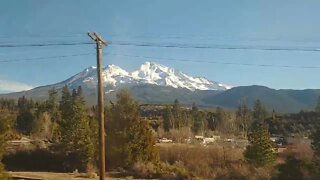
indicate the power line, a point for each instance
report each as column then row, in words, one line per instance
column 162, row 45
column 43, row 44
column 43, row 36
column 45, row 58
column 161, row 36
column 218, row 62
column 223, row 47
column 165, row 59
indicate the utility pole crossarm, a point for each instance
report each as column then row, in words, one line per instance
column 91, row 35
column 97, row 38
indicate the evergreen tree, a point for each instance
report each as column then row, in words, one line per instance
column 261, row 151
column 77, row 137
column 65, row 104
column 5, row 124
column 66, row 110
column 53, row 105
column 83, row 142
column 220, row 119
column 129, row 139
column 197, row 119
column 259, row 113
column 52, row 101
column 211, row 120
column 167, row 119
column 176, row 111
column 315, row 144
column 26, row 117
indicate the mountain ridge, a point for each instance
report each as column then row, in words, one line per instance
column 153, row 83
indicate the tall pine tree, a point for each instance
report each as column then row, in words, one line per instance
column 77, row 137
column 129, row 138
column 176, row 112
column 26, row 117
column 261, row 151
column 167, row 119
column 197, row 119
column 259, row 113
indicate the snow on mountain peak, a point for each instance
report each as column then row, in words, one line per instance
column 149, row 73
column 114, row 70
column 153, row 73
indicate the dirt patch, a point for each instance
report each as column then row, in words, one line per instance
column 55, row 176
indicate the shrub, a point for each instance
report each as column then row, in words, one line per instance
column 292, row 169
column 36, row 160
column 175, row 171
column 204, row 162
column 145, row 170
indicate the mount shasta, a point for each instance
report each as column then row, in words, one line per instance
column 156, row 83
column 149, row 74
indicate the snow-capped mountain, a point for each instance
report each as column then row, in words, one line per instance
column 157, row 84
column 149, row 73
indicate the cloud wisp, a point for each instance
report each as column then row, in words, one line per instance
column 13, row 86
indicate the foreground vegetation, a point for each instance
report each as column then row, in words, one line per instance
column 63, row 133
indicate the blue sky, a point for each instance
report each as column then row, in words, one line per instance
column 272, row 23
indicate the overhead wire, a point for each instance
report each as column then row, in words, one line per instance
column 216, row 62
column 223, row 47
column 160, row 58
column 45, row 58
column 170, row 45
column 44, row 44
column 44, row 36
column 163, row 45
column 160, row 36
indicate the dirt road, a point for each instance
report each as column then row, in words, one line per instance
column 56, row 176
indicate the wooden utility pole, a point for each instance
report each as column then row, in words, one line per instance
column 100, row 43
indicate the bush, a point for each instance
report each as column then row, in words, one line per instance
column 210, row 162
column 201, row 161
column 145, row 170
column 176, row 171
column 292, row 169
column 36, row 160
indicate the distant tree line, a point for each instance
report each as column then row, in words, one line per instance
column 72, row 128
